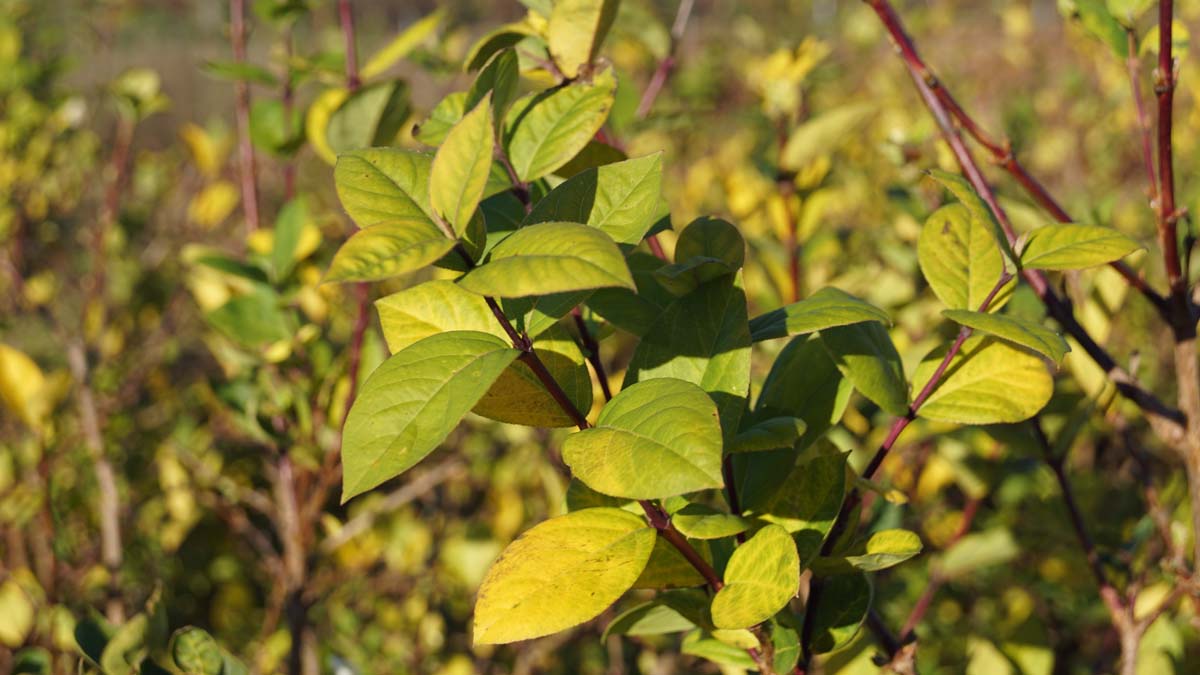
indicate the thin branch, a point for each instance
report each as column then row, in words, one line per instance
column 1164, row 89
column 1143, row 121
column 1167, row 422
column 1000, row 150
column 667, row 65
column 246, row 160
column 593, row 352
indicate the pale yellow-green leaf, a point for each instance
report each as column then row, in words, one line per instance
column 461, row 167
column 23, row 387
column 886, row 548
column 16, row 614
column 1018, row 331
column 667, row 568
column 519, row 397
column 664, row 423
column 961, row 260
column 553, row 127
column 576, row 30
column 560, row 574
column 389, row 249
column 762, row 576
column 988, row 382
column 430, row 308
column 316, row 121
column 550, row 258
column 822, row 135
column 402, row 45
column 1073, row 247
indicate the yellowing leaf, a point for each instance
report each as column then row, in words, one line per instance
column 402, row 45
column 577, row 27
column 461, row 167
column 213, row 204
column 23, row 387
column 316, row 122
column 1073, row 247
column 961, row 260
column 560, row 574
column 553, row 127
column 388, row 249
column 762, row 576
column 519, row 397
column 666, row 423
column 987, row 382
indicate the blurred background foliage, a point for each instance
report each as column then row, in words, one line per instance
column 214, row 360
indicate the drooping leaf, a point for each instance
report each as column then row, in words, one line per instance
column 827, row 308
column 839, row 613
column 702, row 338
column 960, row 260
column 622, row 200
column 772, row 433
column 552, row 127
column 461, row 167
column 804, row 499
column 865, row 355
column 762, row 576
column 663, row 422
column 987, row 382
column 821, row 135
column 576, row 30
column 885, row 549
column 704, row 522
column 550, row 258
column 561, row 573
column 410, row 404
column 1015, row 330
column 1074, row 247
column 804, row 383
column 388, row 249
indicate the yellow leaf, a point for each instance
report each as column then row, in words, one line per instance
column 23, row 387
column 213, row 204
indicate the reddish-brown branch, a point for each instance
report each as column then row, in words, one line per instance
column 1000, row 150
column 665, row 67
column 1143, row 121
column 246, row 160
column 593, row 352
column 1164, row 89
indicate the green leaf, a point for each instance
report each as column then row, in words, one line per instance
column 389, row 249
column 821, row 135
column 762, row 576
column 253, row 319
column 519, row 397
column 708, row 248
column 623, row 200
column 431, row 308
column 705, row 646
column 414, row 400
column 136, row 639
column 549, row 258
column 987, row 382
column 402, row 45
column 239, row 72
column 576, row 30
column 1095, row 18
column 593, row 156
column 630, row 311
column 666, row 423
column 554, row 126
column 702, row 338
column 501, row 38
column 804, row 501
column 195, row 652
column 648, row 618
column 442, row 118
column 383, row 184
column 770, row 434
column 827, row 308
column 698, row 521
column 864, row 353
column 805, row 383
column 960, row 260
column 978, row 550
column 461, row 167
column 500, row 77
column 837, row 617
column 369, row 117
column 1017, row 331
column 1074, row 247
column 886, row 548
column 979, row 210
column 289, row 226
column 560, row 574
column 1129, row 11
column 274, row 129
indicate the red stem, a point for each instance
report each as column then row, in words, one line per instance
column 249, row 174
column 1164, row 88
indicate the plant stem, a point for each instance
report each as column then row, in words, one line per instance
column 1144, row 134
column 247, row 169
column 1168, row 423
column 1164, row 88
column 593, row 352
column 667, row 65
column 1001, row 150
